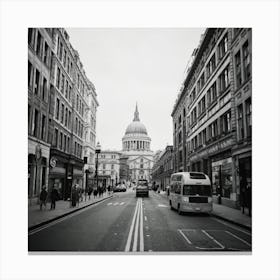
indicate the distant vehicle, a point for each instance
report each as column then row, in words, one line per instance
column 142, row 188
column 120, row 188
column 190, row 192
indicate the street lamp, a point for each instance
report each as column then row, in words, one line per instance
column 97, row 151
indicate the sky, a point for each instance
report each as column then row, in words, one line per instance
column 129, row 65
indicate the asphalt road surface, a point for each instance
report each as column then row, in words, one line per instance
column 125, row 223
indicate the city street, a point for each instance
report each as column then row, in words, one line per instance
column 125, row 223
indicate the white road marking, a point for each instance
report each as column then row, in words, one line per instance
column 211, row 237
column 145, row 218
column 127, row 247
column 185, row 237
column 116, row 203
column 110, row 203
column 136, row 229
column 162, row 205
column 229, row 225
column 242, row 240
column 141, row 229
column 121, row 203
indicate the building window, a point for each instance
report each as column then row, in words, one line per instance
column 212, row 94
column 201, row 82
column 248, row 108
column 65, row 142
column 211, row 66
column 104, row 166
column 112, row 166
column 60, row 50
column 30, row 70
column 240, row 121
column 43, row 127
column 64, row 58
column 62, row 113
column 62, row 83
column 57, row 108
column 44, row 88
column 141, row 165
column 226, row 123
column 238, row 70
column 224, row 79
column 35, row 123
column 37, row 82
column 46, row 50
column 223, row 46
column 38, row 45
column 66, row 117
column 58, row 77
column 55, row 137
column 68, row 144
column 61, row 141
column 246, row 61
column 69, row 119
column 30, row 35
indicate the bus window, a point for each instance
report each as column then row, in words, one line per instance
column 204, row 190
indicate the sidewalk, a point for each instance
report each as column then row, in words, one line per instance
column 37, row 217
column 226, row 213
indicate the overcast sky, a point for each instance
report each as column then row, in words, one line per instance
column 131, row 65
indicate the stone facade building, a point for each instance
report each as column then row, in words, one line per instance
column 39, row 80
column 212, row 115
column 163, row 168
column 108, row 168
column 59, row 98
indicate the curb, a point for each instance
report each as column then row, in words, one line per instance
column 65, row 214
column 232, row 221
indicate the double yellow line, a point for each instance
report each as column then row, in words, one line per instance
column 136, row 227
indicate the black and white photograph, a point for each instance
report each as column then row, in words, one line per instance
column 139, row 140
column 148, row 174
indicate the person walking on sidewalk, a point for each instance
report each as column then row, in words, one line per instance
column 54, row 197
column 243, row 187
column 43, row 198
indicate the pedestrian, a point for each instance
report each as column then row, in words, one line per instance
column 54, row 197
column 43, row 197
column 243, row 187
column 74, row 196
column 249, row 196
column 89, row 192
column 95, row 193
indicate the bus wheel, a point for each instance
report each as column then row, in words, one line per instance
column 179, row 210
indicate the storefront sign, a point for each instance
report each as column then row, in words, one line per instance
column 53, row 161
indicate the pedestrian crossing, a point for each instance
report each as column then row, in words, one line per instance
column 115, row 203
